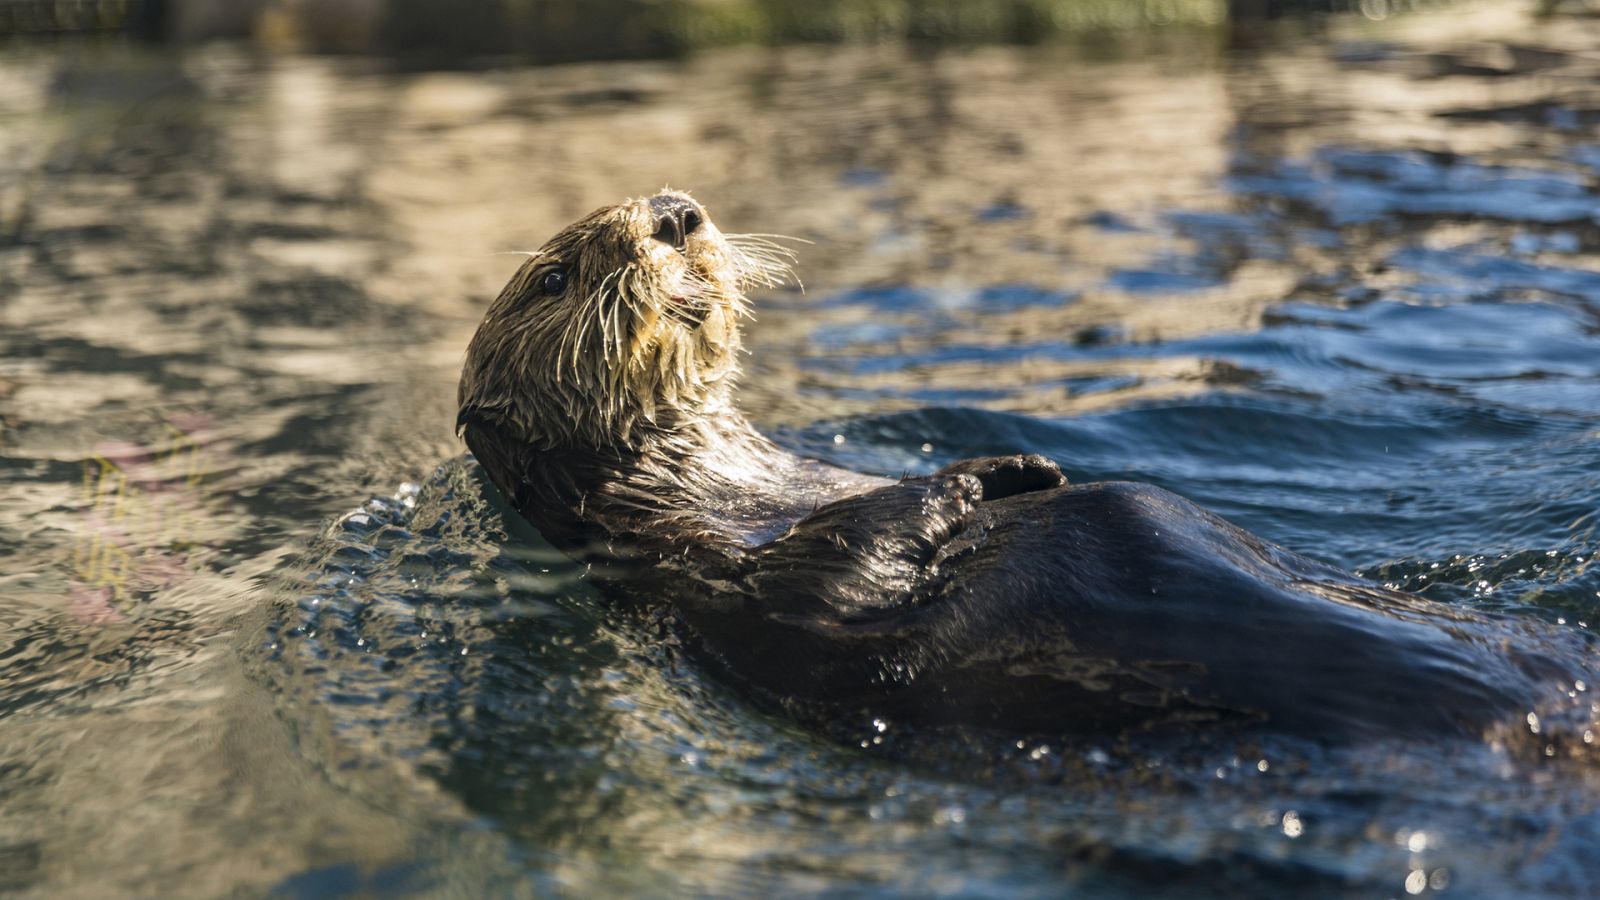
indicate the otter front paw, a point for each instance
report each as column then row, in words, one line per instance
column 1006, row 476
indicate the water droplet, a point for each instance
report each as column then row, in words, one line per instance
column 1292, row 826
column 1261, row 766
column 1416, row 880
column 1417, row 842
column 927, row 448
column 838, row 439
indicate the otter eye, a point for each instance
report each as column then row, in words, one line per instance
column 553, row 282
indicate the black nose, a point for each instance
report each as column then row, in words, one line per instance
column 676, row 219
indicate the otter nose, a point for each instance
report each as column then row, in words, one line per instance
column 676, row 219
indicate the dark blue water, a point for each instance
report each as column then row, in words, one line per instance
column 268, row 631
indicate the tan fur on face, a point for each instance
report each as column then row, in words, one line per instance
column 643, row 339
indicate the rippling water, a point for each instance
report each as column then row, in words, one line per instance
column 266, row 630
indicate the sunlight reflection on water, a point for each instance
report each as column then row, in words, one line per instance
column 1343, row 290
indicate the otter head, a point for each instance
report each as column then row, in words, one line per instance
column 623, row 325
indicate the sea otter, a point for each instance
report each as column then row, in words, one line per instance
column 598, row 396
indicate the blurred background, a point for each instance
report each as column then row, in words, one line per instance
column 1329, row 268
column 547, row 31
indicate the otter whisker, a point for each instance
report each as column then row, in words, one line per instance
column 759, row 244
column 773, row 254
column 763, row 251
column 633, row 293
column 764, row 235
column 756, row 240
column 613, row 328
column 569, row 343
column 599, row 310
column 763, row 262
column 781, row 255
column 611, row 331
column 764, row 255
column 760, row 255
column 757, row 269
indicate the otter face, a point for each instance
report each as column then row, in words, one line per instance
column 623, row 324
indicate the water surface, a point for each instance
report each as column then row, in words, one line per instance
column 266, row 631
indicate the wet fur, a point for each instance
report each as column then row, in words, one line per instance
column 991, row 593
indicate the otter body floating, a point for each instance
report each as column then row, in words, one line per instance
column 597, row 394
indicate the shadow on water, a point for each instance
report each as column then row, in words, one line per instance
column 1341, row 290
